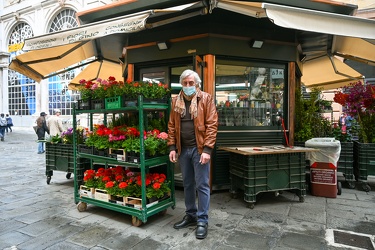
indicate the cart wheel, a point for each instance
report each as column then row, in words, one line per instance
column 251, row 205
column 301, row 199
column 136, row 222
column 48, row 179
column 82, row 206
column 163, row 212
column 68, row 175
column 351, row 185
column 339, row 188
column 366, row 187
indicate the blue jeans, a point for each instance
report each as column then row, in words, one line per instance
column 2, row 132
column 40, row 147
column 195, row 177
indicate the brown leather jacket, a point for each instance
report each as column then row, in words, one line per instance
column 205, row 124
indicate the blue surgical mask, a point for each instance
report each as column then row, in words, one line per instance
column 189, row 91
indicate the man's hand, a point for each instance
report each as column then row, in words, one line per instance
column 204, row 158
column 173, row 156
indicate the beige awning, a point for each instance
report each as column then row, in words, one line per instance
column 320, row 21
column 103, row 70
column 328, row 73
column 252, row 9
column 355, row 49
column 39, row 64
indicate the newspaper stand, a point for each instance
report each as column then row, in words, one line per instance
column 323, row 167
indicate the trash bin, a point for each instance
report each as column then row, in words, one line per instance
column 323, row 166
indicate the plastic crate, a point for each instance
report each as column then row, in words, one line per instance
column 60, row 157
column 345, row 164
column 130, row 102
column 85, row 149
column 113, row 102
column 364, row 155
column 269, row 172
column 83, row 105
column 97, row 104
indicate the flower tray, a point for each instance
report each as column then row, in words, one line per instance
column 97, row 104
column 113, row 102
column 101, row 152
column 133, row 202
column 118, row 154
column 120, row 200
column 86, row 191
column 83, row 105
column 86, row 149
column 155, row 101
column 133, row 159
column 102, row 195
column 134, row 102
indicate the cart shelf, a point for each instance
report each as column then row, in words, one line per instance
column 141, row 212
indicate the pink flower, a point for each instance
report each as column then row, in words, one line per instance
column 163, row 136
column 94, row 86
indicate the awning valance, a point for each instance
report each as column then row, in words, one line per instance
column 124, row 24
column 328, row 73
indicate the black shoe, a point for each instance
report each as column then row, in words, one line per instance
column 2, row 138
column 186, row 221
column 201, row 231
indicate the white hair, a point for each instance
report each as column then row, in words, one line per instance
column 189, row 72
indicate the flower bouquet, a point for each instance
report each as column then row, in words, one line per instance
column 358, row 101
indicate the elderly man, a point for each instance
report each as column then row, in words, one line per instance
column 192, row 130
column 54, row 123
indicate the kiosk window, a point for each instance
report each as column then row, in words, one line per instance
column 248, row 95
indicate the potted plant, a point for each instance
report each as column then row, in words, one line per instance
column 309, row 121
column 157, row 186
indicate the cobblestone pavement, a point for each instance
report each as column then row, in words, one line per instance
column 34, row 215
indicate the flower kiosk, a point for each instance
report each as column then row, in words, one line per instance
column 129, row 170
column 252, row 61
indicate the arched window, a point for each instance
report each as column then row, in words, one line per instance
column 21, row 89
column 59, row 96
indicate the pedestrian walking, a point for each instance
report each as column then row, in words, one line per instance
column 54, row 123
column 41, row 131
column 192, row 130
column 9, row 123
column 3, row 125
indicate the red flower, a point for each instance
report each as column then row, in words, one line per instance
column 156, row 185
column 123, row 185
column 106, row 178
column 109, row 184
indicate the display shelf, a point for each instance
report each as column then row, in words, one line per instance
column 144, row 166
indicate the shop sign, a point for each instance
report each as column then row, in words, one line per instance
column 15, row 47
column 277, row 73
column 89, row 32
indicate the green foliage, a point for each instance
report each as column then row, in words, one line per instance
column 309, row 122
column 99, row 142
